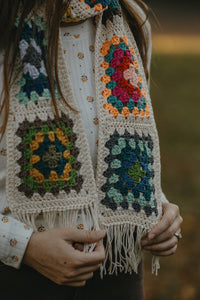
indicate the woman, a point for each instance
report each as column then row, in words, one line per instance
column 55, row 180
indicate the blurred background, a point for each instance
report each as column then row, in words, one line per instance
column 175, row 92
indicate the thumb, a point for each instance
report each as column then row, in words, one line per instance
column 86, row 236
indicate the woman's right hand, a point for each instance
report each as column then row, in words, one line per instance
column 53, row 255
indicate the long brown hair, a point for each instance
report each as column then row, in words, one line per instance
column 55, row 9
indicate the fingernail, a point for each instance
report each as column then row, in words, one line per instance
column 101, row 233
column 151, row 236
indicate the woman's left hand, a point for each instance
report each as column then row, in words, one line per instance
column 161, row 240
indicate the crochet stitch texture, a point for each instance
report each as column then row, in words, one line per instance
column 49, row 168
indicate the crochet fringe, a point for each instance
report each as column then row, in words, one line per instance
column 66, row 218
column 123, row 250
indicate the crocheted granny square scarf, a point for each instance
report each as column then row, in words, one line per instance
column 49, row 168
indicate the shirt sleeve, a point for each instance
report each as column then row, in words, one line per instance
column 14, row 238
column 14, row 235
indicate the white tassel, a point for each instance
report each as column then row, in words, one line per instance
column 123, row 249
column 49, row 218
column 155, row 265
column 66, row 218
column 123, row 241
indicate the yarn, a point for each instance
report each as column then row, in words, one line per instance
column 49, row 168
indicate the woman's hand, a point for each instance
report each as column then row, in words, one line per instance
column 52, row 253
column 161, row 240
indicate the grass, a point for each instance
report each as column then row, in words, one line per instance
column 176, row 100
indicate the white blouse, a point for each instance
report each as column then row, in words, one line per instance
column 78, row 44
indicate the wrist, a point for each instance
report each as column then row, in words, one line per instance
column 28, row 254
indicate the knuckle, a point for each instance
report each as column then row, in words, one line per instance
column 181, row 219
column 176, row 210
column 167, row 221
column 70, row 274
column 172, row 216
column 170, row 233
column 176, row 207
column 59, row 281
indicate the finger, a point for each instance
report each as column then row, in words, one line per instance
column 76, row 284
column 164, row 236
column 82, row 259
column 164, row 246
column 95, row 257
column 81, row 277
column 88, row 269
column 165, row 253
column 169, row 215
column 80, row 247
column 84, row 236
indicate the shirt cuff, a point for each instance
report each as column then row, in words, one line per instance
column 14, row 238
